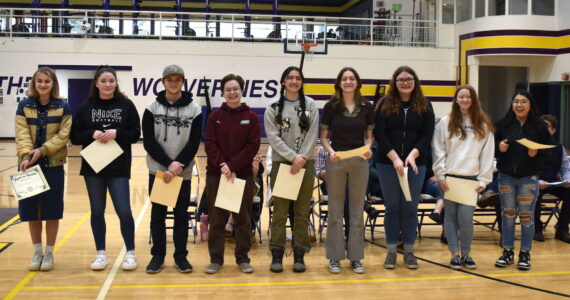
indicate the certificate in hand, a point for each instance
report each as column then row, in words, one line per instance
column 358, row 152
column 99, row 155
column 165, row 193
column 287, row 185
column 534, row 146
column 230, row 194
column 461, row 190
column 29, row 183
column 405, row 185
column 558, row 183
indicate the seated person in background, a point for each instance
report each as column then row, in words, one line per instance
column 373, row 190
column 431, row 187
column 556, row 168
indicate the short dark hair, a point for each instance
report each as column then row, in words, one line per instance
column 231, row 77
column 551, row 119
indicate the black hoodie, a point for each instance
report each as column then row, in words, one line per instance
column 172, row 132
column 117, row 113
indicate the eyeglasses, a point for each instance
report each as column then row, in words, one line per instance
column 234, row 90
column 522, row 102
column 405, row 80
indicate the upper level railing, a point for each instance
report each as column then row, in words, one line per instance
column 398, row 30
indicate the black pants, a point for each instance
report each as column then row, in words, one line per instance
column 563, row 194
column 158, row 223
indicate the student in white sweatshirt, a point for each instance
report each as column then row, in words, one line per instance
column 463, row 146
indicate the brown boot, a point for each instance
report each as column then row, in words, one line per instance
column 538, row 236
column 562, row 236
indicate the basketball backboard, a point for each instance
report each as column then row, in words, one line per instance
column 300, row 33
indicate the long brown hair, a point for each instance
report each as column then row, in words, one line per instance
column 94, row 91
column 337, row 100
column 392, row 102
column 480, row 120
column 54, row 93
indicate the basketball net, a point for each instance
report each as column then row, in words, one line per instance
column 307, row 48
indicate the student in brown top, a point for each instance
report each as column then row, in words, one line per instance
column 349, row 118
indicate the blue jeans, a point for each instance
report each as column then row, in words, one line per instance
column 432, row 189
column 458, row 226
column 119, row 189
column 518, row 198
column 401, row 215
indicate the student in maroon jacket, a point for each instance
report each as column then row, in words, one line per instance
column 232, row 140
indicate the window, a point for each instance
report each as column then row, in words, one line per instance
column 496, row 7
column 447, row 12
column 479, row 8
column 518, row 7
column 543, row 7
column 464, row 10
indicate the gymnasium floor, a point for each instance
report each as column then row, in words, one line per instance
column 72, row 277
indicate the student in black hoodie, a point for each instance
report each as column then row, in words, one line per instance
column 108, row 115
column 172, row 126
column 519, row 168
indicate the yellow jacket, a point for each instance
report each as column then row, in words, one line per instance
column 56, row 126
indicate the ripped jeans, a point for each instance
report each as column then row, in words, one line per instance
column 518, row 198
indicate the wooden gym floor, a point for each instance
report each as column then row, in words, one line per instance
column 72, row 277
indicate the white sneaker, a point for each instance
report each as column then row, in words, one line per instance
column 100, row 262
column 47, row 262
column 130, row 262
column 36, row 262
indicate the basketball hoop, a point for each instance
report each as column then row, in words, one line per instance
column 307, row 46
column 308, row 54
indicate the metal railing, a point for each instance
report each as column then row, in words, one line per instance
column 399, row 30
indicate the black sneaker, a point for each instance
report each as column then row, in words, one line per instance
column 436, row 217
column 524, row 261
column 506, row 259
column 182, row 265
column 468, row 262
column 455, row 262
column 155, row 265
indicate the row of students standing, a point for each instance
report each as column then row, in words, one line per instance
column 403, row 123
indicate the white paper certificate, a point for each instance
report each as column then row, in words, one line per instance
column 461, row 190
column 29, row 183
column 405, row 185
column 230, row 194
column 287, row 185
column 99, row 155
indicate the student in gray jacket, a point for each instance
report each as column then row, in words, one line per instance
column 172, row 126
column 291, row 126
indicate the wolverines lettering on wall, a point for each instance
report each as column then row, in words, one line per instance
column 255, row 88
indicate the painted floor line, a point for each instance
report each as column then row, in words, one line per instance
column 119, row 260
column 298, row 282
column 22, row 284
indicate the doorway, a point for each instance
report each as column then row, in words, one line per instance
column 496, row 87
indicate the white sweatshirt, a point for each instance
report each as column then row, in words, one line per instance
column 468, row 157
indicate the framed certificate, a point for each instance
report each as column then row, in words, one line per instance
column 29, row 183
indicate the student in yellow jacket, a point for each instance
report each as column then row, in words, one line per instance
column 43, row 124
